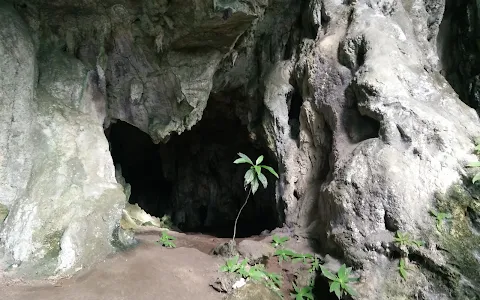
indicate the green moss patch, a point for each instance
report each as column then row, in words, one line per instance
column 459, row 237
column 3, row 212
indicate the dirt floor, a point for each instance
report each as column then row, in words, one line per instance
column 146, row 272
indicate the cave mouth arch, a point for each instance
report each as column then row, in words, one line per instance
column 192, row 178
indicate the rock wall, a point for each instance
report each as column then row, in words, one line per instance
column 58, row 180
column 348, row 96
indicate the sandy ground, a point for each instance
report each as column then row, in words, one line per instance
column 147, row 272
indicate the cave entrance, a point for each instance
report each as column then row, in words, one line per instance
column 137, row 158
column 192, row 177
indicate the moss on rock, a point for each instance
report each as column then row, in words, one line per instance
column 460, row 238
column 3, row 212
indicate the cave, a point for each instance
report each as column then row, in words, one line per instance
column 192, row 177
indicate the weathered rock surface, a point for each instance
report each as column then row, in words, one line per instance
column 255, row 251
column 347, row 96
column 58, row 180
column 253, row 291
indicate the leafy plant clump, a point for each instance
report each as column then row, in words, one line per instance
column 278, row 241
column 253, row 177
column 441, row 217
column 166, row 240
column 284, row 255
column 339, row 283
column 404, row 239
column 256, row 273
column 302, row 293
column 402, row 268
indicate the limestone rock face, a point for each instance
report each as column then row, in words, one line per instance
column 349, row 99
column 399, row 135
column 58, row 180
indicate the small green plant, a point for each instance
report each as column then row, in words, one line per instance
column 404, row 239
column 278, row 241
column 166, row 240
column 402, row 268
column 315, row 265
column 440, row 217
column 284, row 254
column 256, row 273
column 303, row 257
column 253, row 177
column 231, row 265
column 302, row 293
column 339, row 283
column 475, row 164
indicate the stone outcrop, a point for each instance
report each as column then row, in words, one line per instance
column 58, row 179
column 348, row 97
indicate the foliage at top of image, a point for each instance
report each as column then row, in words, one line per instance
column 253, row 177
column 339, row 283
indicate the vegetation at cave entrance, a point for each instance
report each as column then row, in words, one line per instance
column 339, row 283
column 253, row 177
column 166, row 240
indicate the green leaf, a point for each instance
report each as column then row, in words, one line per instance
column 474, row 164
column 342, row 272
column 240, row 161
column 258, row 170
column 477, row 147
column 270, row 169
column 403, row 273
column 334, row 286
column 337, row 291
column 352, row 279
column 263, row 180
column 243, row 159
column 249, row 176
column 350, row 290
column 255, row 186
column 418, row 243
column 259, row 160
column 476, row 178
column 328, row 274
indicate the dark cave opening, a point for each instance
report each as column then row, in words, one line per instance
column 134, row 152
column 294, row 106
column 458, row 47
column 192, row 177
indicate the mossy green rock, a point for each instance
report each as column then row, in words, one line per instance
column 460, row 237
column 3, row 212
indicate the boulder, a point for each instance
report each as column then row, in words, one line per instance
column 253, row 291
column 255, row 251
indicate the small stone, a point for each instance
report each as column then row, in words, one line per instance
column 253, row 291
column 255, row 251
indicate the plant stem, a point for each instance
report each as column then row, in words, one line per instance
column 239, row 212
